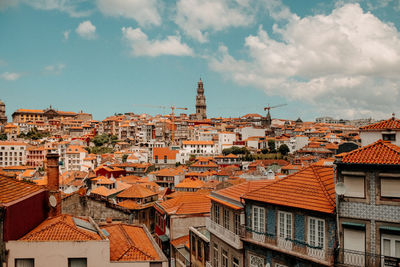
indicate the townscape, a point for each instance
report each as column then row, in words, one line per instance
column 188, row 190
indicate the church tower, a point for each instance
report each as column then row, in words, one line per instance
column 200, row 102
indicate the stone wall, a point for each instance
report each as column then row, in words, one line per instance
column 98, row 209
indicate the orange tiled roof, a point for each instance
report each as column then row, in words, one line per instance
column 197, row 143
column 392, row 124
column 181, row 241
column 160, row 152
column 12, row 189
column 380, row 152
column 136, row 191
column 130, row 243
column 60, row 228
column 236, row 191
column 187, row 203
column 190, row 183
column 311, row 188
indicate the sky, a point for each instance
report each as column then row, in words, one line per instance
column 320, row 58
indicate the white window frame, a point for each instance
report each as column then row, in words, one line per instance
column 393, row 239
column 314, row 234
column 287, row 231
column 258, row 219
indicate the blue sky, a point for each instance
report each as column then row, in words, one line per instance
column 340, row 59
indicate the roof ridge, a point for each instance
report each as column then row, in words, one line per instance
column 132, row 244
column 59, row 222
column 322, row 184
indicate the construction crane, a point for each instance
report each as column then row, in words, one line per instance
column 172, row 116
column 268, row 118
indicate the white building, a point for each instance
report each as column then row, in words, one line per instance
column 247, row 132
column 75, row 156
column 388, row 130
column 225, row 139
column 12, row 153
column 196, row 148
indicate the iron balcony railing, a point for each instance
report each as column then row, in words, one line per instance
column 290, row 246
column 354, row 258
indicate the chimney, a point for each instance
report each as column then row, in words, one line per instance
column 53, row 184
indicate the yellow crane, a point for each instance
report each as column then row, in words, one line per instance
column 172, row 116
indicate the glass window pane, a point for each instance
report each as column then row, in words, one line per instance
column 397, row 249
column 386, row 247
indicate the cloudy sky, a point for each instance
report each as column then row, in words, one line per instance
column 321, row 58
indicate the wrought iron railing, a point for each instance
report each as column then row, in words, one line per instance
column 354, row 258
column 292, row 246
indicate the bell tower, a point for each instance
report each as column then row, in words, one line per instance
column 3, row 117
column 200, row 102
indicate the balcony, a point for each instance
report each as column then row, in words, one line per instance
column 224, row 234
column 363, row 259
column 290, row 247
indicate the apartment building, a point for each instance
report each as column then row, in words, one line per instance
column 387, row 130
column 196, row 148
column 226, row 222
column 74, row 157
column 12, row 153
column 292, row 222
column 369, row 207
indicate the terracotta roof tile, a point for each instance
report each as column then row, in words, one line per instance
column 380, row 152
column 190, row 183
column 12, row 189
column 136, row 191
column 130, row 243
column 60, row 228
column 236, row 191
column 187, row 203
column 392, row 124
column 181, row 241
column 311, row 188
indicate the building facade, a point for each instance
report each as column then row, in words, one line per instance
column 369, row 208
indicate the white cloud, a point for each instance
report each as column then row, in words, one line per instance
column 71, row 7
column 86, row 30
column 54, row 69
column 145, row 12
column 66, row 34
column 142, row 46
column 347, row 61
column 10, row 76
column 197, row 17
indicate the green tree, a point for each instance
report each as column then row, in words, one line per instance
column 3, row 137
column 124, row 157
column 271, row 146
column 100, row 140
column 264, row 150
column 284, row 149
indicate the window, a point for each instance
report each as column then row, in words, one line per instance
column 216, row 213
column 215, row 258
column 285, row 225
column 353, row 240
column 235, row 262
column 165, row 159
column 156, row 159
column 390, row 187
column 258, row 219
column 389, row 137
column 224, row 257
column 77, row 262
column 256, row 261
column 24, row 262
column 236, row 221
column 354, row 186
column 391, row 245
column 316, row 232
column 226, row 218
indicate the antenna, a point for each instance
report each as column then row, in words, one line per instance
column 340, row 189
